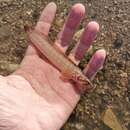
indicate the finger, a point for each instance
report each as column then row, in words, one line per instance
column 75, row 16
column 85, row 42
column 95, row 64
column 43, row 25
column 46, row 18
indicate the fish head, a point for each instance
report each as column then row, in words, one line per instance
column 83, row 82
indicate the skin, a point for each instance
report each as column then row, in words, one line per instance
column 34, row 97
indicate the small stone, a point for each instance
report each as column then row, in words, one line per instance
column 4, row 32
column 29, row 12
column 12, row 67
column 110, row 119
column 80, row 126
column 7, row 66
column 19, row 51
column 115, row 2
column 128, row 126
column 106, row 7
column 89, row 4
column 124, row 75
column 118, row 42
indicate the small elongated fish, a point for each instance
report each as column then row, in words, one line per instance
column 67, row 68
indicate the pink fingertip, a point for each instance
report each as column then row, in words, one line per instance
column 76, row 14
column 49, row 9
column 100, row 55
column 95, row 64
column 78, row 8
column 93, row 26
column 97, row 60
column 52, row 4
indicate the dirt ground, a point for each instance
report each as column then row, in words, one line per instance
column 112, row 82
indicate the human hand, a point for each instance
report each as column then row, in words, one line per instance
column 35, row 97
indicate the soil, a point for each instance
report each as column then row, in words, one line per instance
column 112, row 82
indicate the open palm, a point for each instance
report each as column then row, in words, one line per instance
column 47, row 101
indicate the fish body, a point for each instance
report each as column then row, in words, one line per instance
column 68, row 69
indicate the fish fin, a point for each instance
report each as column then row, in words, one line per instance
column 65, row 79
column 65, row 76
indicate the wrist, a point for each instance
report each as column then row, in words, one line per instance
column 15, row 104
